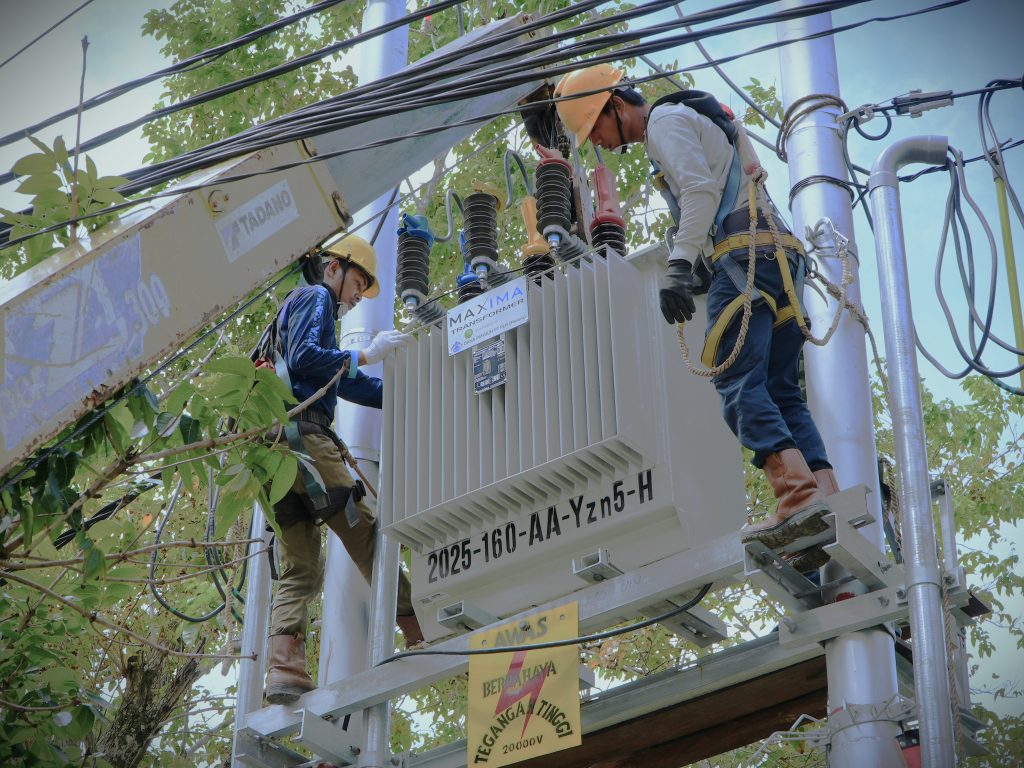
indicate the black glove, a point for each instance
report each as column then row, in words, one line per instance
column 675, row 290
column 358, row 491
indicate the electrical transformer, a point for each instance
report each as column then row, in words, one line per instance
column 596, row 445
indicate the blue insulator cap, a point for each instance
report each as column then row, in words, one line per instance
column 463, row 245
column 417, row 225
column 466, row 278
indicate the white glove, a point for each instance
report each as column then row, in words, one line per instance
column 382, row 343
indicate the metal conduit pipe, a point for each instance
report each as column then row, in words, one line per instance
column 924, row 590
column 254, row 630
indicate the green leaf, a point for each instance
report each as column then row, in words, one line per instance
column 106, row 196
column 284, row 478
column 39, row 183
column 90, row 169
column 36, row 163
column 118, row 434
column 268, row 406
column 235, row 366
column 82, row 721
column 59, row 678
column 177, row 399
column 268, row 378
column 42, row 147
column 60, row 150
column 111, row 182
column 191, row 430
column 229, row 508
column 95, row 563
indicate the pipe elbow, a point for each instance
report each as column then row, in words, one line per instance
column 913, row 149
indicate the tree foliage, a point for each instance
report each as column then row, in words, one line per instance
column 131, row 526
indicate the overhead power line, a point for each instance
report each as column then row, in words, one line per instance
column 40, row 36
column 532, row 76
column 281, row 69
column 190, row 63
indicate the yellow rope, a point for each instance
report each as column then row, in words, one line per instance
column 748, row 292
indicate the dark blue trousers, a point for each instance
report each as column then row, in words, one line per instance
column 761, row 398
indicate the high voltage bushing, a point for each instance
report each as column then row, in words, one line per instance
column 480, row 214
column 412, row 269
column 554, row 198
column 608, row 229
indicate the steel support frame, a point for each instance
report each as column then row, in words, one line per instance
column 601, row 605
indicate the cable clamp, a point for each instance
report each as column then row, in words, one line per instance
column 863, row 114
column 917, row 102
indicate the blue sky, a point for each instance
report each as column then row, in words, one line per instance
column 959, row 49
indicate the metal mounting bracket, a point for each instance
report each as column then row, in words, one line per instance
column 331, row 740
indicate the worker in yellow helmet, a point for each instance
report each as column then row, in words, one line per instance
column 703, row 162
column 308, row 357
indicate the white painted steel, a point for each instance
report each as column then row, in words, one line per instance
column 358, row 630
column 924, row 589
column 837, row 374
column 598, row 406
column 254, row 630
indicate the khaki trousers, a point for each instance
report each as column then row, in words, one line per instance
column 301, row 562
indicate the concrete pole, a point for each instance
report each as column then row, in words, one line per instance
column 924, row 588
column 344, row 649
column 254, row 630
column 861, row 665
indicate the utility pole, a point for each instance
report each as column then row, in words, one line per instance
column 861, row 665
column 343, row 647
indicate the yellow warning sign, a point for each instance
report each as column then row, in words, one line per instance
column 524, row 703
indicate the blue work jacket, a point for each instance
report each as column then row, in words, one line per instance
column 310, row 344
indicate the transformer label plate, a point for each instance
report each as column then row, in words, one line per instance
column 531, row 531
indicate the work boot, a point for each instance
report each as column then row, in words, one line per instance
column 812, row 559
column 410, row 627
column 826, row 480
column 286, row 677
column 801, row 505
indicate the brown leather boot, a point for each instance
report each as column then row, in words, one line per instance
column 286, row 676
column 410, row 627
column 815, row 557
column 800, row 506
column 826, row 480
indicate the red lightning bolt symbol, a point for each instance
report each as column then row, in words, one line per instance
column 510, row 694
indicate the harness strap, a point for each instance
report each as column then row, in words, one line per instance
column 763, row 238
column 314, row 488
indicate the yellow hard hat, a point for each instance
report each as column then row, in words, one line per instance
column 355, row 250
column 579, row 115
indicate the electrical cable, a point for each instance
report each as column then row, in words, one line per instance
column 870, row 136
column 487, row 82
column 157, row 535
column 41, row 35
column 688, row 605
column 953, row 223
column 380, row 224
column 185, row 65
column 254, row 79
column 520, row 79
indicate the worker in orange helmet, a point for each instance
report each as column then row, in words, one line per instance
column 704, row 163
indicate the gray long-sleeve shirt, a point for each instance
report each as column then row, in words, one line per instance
column 694, row 155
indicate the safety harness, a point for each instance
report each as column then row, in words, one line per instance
column 325, row 502
column 732, row 247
